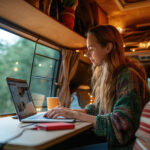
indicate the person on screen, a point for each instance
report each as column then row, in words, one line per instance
column 21, row 103
column 119, row 87
column 24, row 105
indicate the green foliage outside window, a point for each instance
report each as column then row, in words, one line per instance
column 16, row 60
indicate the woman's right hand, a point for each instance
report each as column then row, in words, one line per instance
column 60, row 111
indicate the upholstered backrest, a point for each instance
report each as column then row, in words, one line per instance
column 143, row 133
column 83, row 97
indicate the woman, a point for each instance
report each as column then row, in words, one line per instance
column 119, row 88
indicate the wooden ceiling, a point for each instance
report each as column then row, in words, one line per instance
column 125, row 14
column 133, row 16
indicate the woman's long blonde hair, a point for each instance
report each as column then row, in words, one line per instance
column 105, row 76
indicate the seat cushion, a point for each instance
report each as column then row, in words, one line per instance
column 143, row 132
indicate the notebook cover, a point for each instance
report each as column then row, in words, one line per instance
column 55, row 126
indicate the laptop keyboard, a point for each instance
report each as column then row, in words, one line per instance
column 37, row 116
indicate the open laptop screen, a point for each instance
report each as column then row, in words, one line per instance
column 21, row 97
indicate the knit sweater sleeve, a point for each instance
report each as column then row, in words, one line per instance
column 120, row 125
column 91, row 109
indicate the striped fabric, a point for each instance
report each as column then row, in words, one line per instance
column 143, row 133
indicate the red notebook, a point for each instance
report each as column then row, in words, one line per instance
column 55, row 126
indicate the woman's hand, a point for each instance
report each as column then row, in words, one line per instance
column 60, row 111
column 70, row 113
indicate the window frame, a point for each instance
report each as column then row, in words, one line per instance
column 46, row 78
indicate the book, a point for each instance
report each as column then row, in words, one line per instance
column 55, row 126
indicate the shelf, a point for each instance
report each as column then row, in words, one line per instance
column 30, row 18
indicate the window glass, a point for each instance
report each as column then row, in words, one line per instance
column 15, row 58
column 40, row 92
column 148, row 82
column 46, row 51
column 44, row 66
column 46, row 62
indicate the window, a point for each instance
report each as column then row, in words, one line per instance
column 44, row 73
column 16, row 58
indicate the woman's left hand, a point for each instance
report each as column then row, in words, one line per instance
column 60, row 111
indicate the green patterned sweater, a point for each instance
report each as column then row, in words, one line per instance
column 120, row 125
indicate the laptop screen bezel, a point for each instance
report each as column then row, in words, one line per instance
column 19, row 81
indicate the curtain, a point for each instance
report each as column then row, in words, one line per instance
column 68, row 68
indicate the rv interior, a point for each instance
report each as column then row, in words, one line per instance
column 131, row 17
column 51, row 56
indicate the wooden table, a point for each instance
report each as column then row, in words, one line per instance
column 35, row 139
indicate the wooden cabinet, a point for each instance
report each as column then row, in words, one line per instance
column 21, row 13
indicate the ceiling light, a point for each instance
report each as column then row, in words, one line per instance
column 85, row 55
column 77, row 51
column 120, row 29
column 133, row 50
column 145, row 44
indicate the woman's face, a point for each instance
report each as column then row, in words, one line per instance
column 96, row 52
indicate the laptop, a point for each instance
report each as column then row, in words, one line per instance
column 24, row 104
